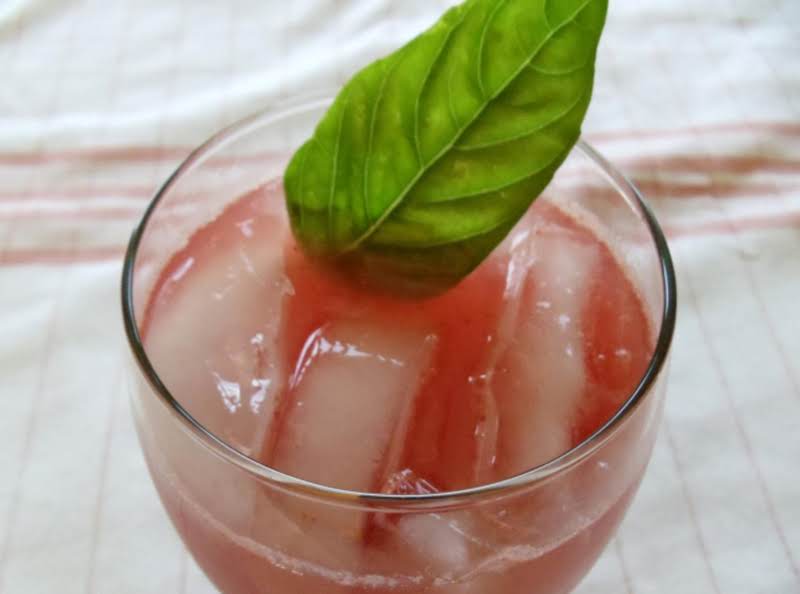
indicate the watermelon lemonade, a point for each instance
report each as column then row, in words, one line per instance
column 308, row 435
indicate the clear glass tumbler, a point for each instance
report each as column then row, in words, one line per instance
column 255, row 530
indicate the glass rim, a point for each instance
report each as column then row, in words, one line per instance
column 384, row 501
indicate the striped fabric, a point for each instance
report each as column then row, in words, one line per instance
column 698, row 101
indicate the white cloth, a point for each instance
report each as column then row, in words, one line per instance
column 100, row 99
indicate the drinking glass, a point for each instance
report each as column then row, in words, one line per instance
column 256, row 530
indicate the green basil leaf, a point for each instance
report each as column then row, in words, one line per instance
column 428, row 157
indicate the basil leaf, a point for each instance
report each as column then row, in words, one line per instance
column 428, row 157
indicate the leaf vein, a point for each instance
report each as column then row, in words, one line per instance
column 451, row 106
column 404, row 192
column 436, row 60
column 493, row 189
column 531, row 131
column 482, row 45
column 335, row 164
column 302, row 194
column 371, row 139
column 547, row 18
column 559, row 72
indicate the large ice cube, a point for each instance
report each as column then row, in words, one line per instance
column 540, row 380
column 347, row 408
column 212, row 328
column 350, row 396
column 224, row 369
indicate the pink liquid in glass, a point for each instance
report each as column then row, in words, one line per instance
column 306, row 373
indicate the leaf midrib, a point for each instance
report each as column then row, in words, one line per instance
column 466, row 148
column 394, row 205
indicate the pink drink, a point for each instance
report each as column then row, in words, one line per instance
column 297, row 369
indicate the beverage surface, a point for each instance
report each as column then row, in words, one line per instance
column 298, row 368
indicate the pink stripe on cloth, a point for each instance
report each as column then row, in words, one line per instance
column 77, row 212
column 147, row 154
column 78, row 193
column 123, row 155
column 55, row 256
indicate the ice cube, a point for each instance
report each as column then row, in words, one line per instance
column 222, row 368
column 442, row 548
column 212, row 328
column 439, row 540
column 349, row 401
column 540, row 380
column 349, row 396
